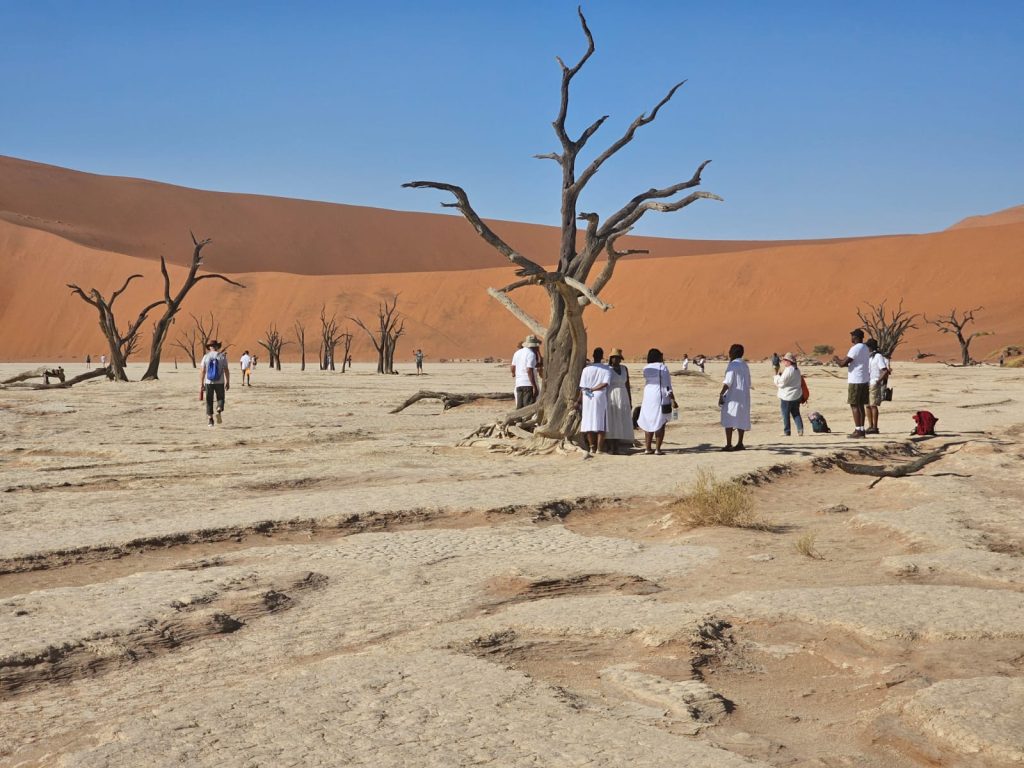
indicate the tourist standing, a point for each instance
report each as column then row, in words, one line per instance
column 734, row 399
column 878, row 380
column 593, row 402
column 215, row 379
column 620, row 404
column 858, row 379
column 790, row 394
column 686, row 362
column 88, row 362
column 524, row 371
column 419, row 361
column 657, row 403
column 776, row 362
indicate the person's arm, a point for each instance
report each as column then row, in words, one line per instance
column 844, row 363
column 883, row 373
column 227, row 375
column 629, row 391
column 532, row 372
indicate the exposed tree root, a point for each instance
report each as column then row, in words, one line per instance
column 894, row 470
column 452, row 399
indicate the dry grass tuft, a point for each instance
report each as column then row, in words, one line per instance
column 712, row 502
column 805, row 546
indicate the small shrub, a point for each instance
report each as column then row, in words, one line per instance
column 823, row 349
column 805, row 546
column 711, row 502
column 1014, row 362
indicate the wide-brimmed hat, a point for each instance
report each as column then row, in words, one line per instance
column 213, row 343
column 531, row 341
column 790, row 357
column 616, row 352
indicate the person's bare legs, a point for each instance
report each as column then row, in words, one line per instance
column 647, row 442
column 739, row 441
column 600, row 442
column 872, row 413
column 728, row 438
column 658, row 437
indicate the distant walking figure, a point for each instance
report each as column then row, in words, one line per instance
column 776, row 362
column 88, row 362
column 734, row 399
column 246, row 363
column 215, row 379
column 419, row 361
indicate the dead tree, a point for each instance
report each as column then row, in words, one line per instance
column 346, row 344
column 186, row 342
column 173, row 303
column 117, row 342
column 300, row 336
column 21, row 380
column 452, row 399
column 273, row 343
column 553, row 418
column 329, row 338
column 886, row 329
column 952, row 324
column 390, row 327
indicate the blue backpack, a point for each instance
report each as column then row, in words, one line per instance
column 213, row 368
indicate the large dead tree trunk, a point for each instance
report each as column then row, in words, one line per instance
column 273, row 343
column 329, row 337
column 346, row 344
column 553, row 418
column 952, row 324
column 173, row 303
column 300, row 336
column 886, row 329
column 120, row 345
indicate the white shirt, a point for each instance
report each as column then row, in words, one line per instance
column 523, row 360
column 876, row 365
column 246, row 361
column 857, row 372
column 595, row 375
column 223, row 366
column 788, row 382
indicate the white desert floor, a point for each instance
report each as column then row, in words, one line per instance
column 320, row 582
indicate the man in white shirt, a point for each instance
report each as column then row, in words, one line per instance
column 246, row 363
column 524, row 370
column 857, row 379
column 878, row 368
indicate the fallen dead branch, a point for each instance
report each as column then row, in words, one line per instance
column 453, row 399
column 36, row 373
column 894, row 470
column 17, row 383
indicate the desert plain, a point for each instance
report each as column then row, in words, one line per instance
column 318, row 581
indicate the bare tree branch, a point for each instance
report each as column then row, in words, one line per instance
column 613, row 257
column 614, row 221
column 520, row 314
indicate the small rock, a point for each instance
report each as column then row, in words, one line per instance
column 762, row 558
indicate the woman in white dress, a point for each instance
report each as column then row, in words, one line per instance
column 734, row 398
column 620, row 405
column 657, row 403
column 593, row 399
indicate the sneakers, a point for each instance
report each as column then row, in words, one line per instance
column 857, row 433
column 871, row 431
column 210, row 423
column 218, row 417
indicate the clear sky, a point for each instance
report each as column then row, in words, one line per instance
column 822, row 118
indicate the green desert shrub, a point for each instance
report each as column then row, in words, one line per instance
column 823, row 349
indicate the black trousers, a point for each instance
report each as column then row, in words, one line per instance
column 214, row 390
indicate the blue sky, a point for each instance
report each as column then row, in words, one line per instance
column 822, row 118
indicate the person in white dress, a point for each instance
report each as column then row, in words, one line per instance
column 593, row 399
column 620, row 405
column 734, row 399
column 657, row 403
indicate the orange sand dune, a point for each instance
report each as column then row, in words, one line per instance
column 1013, row 215
column 271, row 234
column 769, row 298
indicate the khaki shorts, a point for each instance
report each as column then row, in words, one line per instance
column 857, row 394
column 876, row 395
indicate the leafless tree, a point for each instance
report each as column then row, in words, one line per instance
column 173, row 303
column 273, row 343
column 346, row 344
column 886, row 329
column 118, row 343
column 553, row 418
column 186, row 342
column 300, row 336
column 329, row 338
column 952, row 324
column 390, row 327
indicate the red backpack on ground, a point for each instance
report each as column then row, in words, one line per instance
column 926, row 421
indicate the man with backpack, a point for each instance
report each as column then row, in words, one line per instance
column 215, row 379
column 857, row 379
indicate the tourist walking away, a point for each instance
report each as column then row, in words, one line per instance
column 620, row 405
column 246, row 362
column 734, row 399
column 419, row 361
column 657, row 403
column 524, row 371
column 790, row 394
column 215, row 380
column 776, row 362
column 103, row 361
column 686, row 362
column 858, row 379
column 593, row 401
column 701, row 361
column 878, row 380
